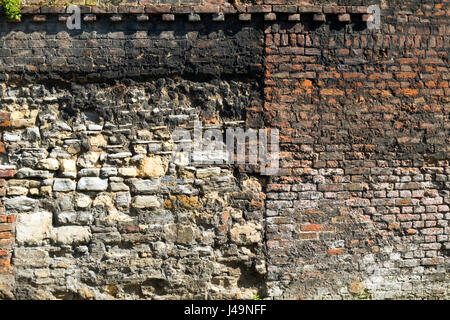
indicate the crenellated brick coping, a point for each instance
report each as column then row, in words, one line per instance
column 218, row 12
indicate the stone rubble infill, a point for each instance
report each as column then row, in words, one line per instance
column 144, row 186
column 141, row 202
column 19, row 204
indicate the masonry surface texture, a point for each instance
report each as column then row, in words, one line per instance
column 95, row 206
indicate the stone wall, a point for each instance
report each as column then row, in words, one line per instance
column 96, row 207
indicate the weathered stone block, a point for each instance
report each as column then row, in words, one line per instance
column 21, row 203
column 128, row 172
column 92, row 184
column 106, row 172
column 68, row 168
column 64, row 185
column 32, row 228
column 75, row 218
column 152, row 167
column 17, row 191
column 31, row 257
column 144, row 186
column 123, row 199
column 186, row 234
column 143, row 202
column 71, row 234
column 82, row 201
column 207, row 172
column 30, row 173
column 48, row 164
column 89, row 172
column 118, row 186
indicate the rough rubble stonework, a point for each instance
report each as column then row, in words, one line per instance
column 112, row 215
column 94, row 206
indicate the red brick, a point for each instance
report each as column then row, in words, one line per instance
column 7, row 173
column 353, row 75
column 285, row 8
column 329, row 75
column 131, row 9
column 5, row 227
column 303, row 75
column 357, row 9
column 4, row 263
column 408, row 60
column 311, row 227
column 335, row 251
column 308, row 236
column 334, row 9
column 378, row 76
column 407, row 92
column 312, row 52
column 432, row 231
column 30, row 10
column 432, row 61
column 259, row 9
column 331, row 92
column 207, row 9
column 5, row 235
column 278, row 187
column 111, row 9
column 405, row 75
column 228, row 9
column 272, row 244
column 5, row 243
column 157, row 9
column 5, row 119
column 309, row 9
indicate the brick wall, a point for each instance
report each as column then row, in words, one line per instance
column 359, row 209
